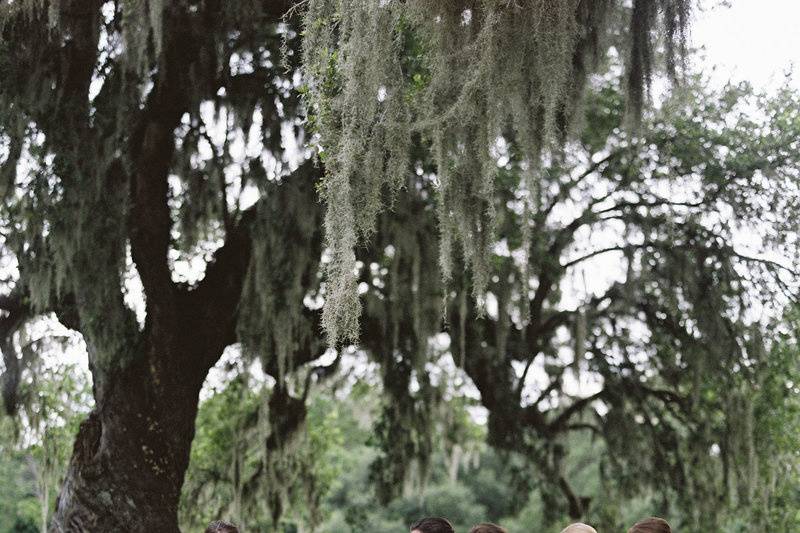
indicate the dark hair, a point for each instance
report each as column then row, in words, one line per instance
column 220, row 526
column 651, row 525
column 432, row 524
column 487, row 527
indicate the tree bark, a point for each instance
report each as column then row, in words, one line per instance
column 131, row 453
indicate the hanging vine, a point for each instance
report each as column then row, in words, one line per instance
column 458, row 76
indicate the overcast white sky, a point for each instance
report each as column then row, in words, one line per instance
column 753, row 40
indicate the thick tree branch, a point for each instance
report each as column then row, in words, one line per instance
column 560, row 422
column 151, row 149
column 213, row 305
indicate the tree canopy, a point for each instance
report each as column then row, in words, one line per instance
column 497, row 193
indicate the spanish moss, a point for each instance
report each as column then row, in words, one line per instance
column 457, row 77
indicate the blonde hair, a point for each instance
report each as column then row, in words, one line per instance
column 579, row 527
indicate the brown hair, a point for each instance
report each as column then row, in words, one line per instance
column 487, row 527
column 651, row 525
column 220, row 526
column 432, row 524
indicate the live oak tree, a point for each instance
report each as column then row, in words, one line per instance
column 112, row 118
column 674, row 338
column 142, row 136
column 667, row 336
column 673, row 203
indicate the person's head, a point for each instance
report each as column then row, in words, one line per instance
column 578, row 528
column 432, row 524
column 220, row 526
column 651, row 525
column 487, row 527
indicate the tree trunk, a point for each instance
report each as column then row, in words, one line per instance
column 131, row 453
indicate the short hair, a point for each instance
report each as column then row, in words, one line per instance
column 433, row 524
column 487, row 527
column 579, row 527
column 220, row 526
column 651, row 525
